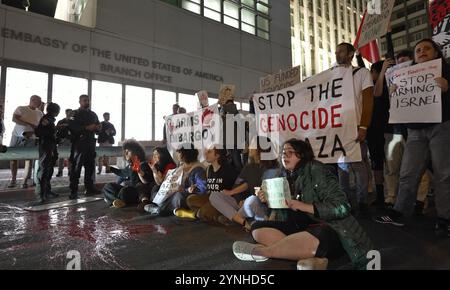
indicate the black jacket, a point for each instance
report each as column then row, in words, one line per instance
column 46, row 132
column 107, row 133
column 77, row 125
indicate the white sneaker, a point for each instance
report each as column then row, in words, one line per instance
column 151, row 208
column 243, row 251
column 312, row 264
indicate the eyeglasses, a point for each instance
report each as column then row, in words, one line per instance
column 288, row 153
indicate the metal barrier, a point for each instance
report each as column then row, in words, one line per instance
column 28, row 153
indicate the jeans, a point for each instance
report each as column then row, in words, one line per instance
column 422, row 144
column 361, row 172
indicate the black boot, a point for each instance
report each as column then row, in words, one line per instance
column 92, row 191
column 73, row 195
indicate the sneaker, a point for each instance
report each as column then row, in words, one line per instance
column 118, row 203
column 185, row 213
column 243, row 251
column 143, row 203
column 92, row 191
column 12, row 184
column 312, row 264
column 152, row 209
column 442, row 228
column 393, row 218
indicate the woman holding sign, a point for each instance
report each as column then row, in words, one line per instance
column 426, row 141
column 188, row 178
column 318, row 225
column 160, row 164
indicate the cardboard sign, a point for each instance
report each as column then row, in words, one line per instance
column 376, row 21
column 417, row 98
column 170, row 185
column 279, row 81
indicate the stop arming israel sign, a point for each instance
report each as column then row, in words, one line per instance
column 417, row 98
column 320, row 110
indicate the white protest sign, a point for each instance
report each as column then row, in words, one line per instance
column 170, row 185
column 375, row 23
column 320, row 110
column 277, row 192
column 200, row 128
column 417, row 98
column 390, row 71
column 279, row 81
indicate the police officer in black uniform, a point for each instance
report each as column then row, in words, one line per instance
column 83, row 125
column 48, row 154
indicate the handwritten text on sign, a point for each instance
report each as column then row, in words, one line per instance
column 320, row 110
column 417, row 98
column 280, row 80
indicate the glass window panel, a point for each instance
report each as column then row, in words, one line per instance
column 245, row 107
column 250, row 3
column 138, row 113
column 189, row 5
column 263, row 23
column 66, row 92
column 264, row 34
column 231, row 9
column 212, row 14
column 248, row 16
column 231, row 21
column 20, row 86
column 189, row 102
column 213, row 4
column 212, row 101
column 262, row 8
column 164, row 101
column 107, row 97
column 248, row 28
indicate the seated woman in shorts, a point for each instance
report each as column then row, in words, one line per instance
column 318, row 224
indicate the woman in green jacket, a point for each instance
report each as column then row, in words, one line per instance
column 318, row 224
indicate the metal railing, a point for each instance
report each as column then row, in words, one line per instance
column 29, row 153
